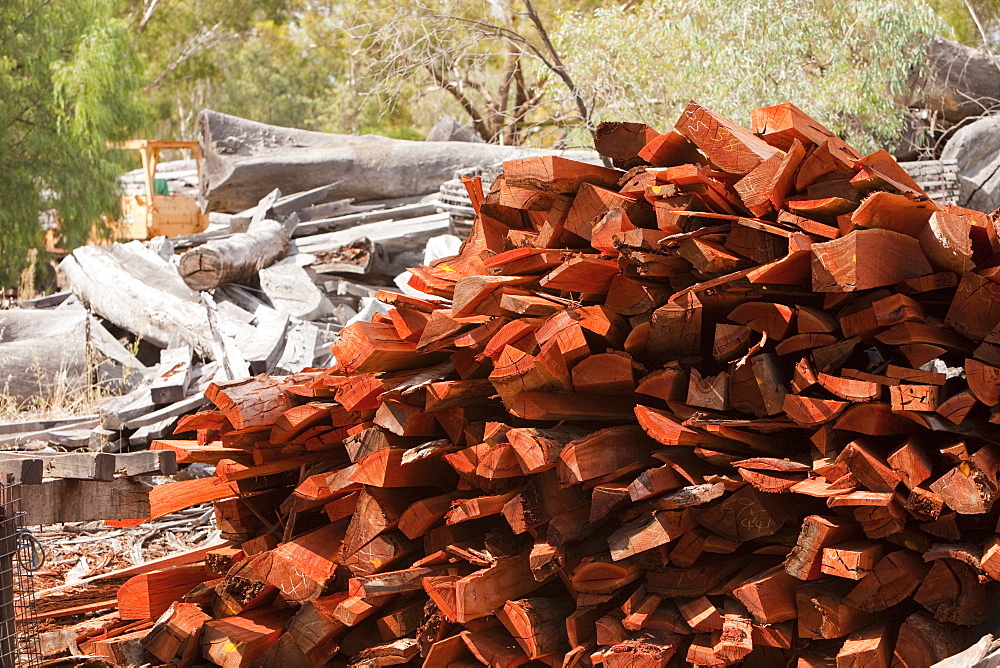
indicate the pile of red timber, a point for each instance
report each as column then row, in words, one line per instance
column 734, row 404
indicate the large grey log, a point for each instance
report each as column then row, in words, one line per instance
column 235, row 259
column 243, row 160
column 976, row 149
column 146, row 298
column 43, row 351
column 958, row 81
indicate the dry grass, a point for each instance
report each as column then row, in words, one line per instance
column 65, row 396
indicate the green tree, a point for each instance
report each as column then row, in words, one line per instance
column 846, row 62
column 286, row 62
column 69, row 84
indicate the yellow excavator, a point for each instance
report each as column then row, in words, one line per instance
column 155, row 212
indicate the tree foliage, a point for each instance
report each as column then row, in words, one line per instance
column 69, row 84
column 844, row 61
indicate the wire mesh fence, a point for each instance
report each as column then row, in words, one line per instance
column 19, row 556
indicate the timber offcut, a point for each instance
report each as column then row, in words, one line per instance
column 732, row 399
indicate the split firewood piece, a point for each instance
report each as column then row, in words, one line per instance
column 176, row 636
column 305, row 567
column 403, row 419
column 711, row 392
column 906, row 397
column 709, row 258
column 874, row 419
column 866, row 259
column 396, row 467
column 315, row 629
column 298, row 419
column 606, row 373
column 602, row 453
column 731, row 342
column 947, row 239
column 885, row 312
column 252, row 402
column 852, row 560
column 745, row 515
column 401, row 619
column 765, row 189
column 899, row 213
column 805, row 561
column 775, row 320
column 592, row 203
column 648, row 532
column 668, row 430
column 149, row 595
column 581, row 407
column 801, row 342
column 956, row 407
column 698, row 580
column 478, row 507
column 783, row 124
column 675, row 328
column 654, row 651
column 552, row 174
column 378, row 511
column 871, row 646
column 669, row 149
column 952, row 592
column 482, row 592
column 975, row 309
column 848, row 388
column 895, row 577
column 622, row 142
column 493, row 646
column 394, row 653
column 538, row 624
column 870, row 469
column 585, row 274
column 923, row 641
column 971, row 487
column 700, row 614
column 812, row 412
column 538, row 450
column 770, row 382
column 769, row 596
column 825, row 612
column 473, row 293
column 733, row 148
column 984, row 381
column 376, row 346
column 653, row 482
column 236, row 642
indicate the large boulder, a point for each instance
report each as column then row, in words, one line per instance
column 976, row 148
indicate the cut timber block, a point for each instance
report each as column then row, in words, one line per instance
column 734, row 149
column 865, row 259
column 237, row 642
column 173, row 376
column 64, row 500
column 552, row 174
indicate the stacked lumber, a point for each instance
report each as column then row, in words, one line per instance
column 734, row 404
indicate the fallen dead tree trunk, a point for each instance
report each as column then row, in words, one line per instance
column 958, row 82
column 243, row 160
column 235, row 259
column 42, row 352
column 119, row 286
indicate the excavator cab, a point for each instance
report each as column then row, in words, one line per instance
column 155, row 212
